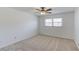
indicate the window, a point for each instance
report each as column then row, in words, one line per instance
column 57, row 22
column 48, row 22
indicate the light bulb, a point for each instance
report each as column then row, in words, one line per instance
column 42, row 13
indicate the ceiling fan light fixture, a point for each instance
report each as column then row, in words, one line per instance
column 43, row 13
column 44, row 10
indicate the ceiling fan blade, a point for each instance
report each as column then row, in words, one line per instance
column 37, row 9
column 49, row 12
column 49, row 9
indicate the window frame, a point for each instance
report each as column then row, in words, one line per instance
column 61, row 22
column 45, row 22
column 52, row 22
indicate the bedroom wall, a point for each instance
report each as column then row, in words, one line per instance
column 66, row 31
column 16, row 26
column 77, row 26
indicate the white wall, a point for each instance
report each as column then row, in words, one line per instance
column 16, row 25
column 77, row 26
column 67, row 31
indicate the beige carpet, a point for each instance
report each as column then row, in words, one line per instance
column 42, row 43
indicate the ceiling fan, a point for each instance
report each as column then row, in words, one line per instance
column 44, row 10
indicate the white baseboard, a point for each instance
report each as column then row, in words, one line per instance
column 56, row 36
